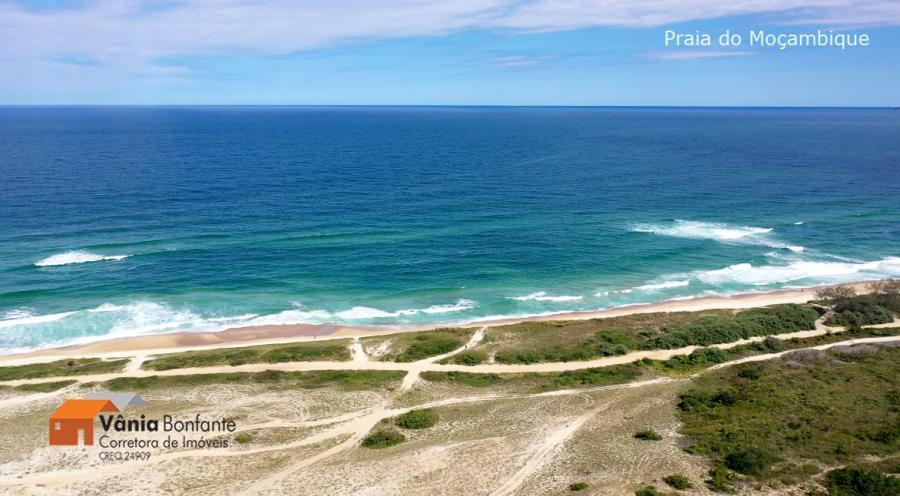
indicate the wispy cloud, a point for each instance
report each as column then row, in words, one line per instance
column 130, row 34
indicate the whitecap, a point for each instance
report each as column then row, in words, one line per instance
column 663, row 285
column 815, row 271
column 717, row 231
column 24, row 318
column 543, row 296
column 76, row 257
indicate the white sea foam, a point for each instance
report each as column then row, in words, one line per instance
column 799, row 223
column 14, row 318
column 363, row 313
column 814, row 271
column 723, row 233
column 76, row 257
column 543, row 296
column 663, row 285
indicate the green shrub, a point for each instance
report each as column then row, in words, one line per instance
column 427, row 345
column 853, row 481
column 648, row 435
column 750, row 461
column 470, row 357
column 79, row 366
column 721, row 479
column 770, row 345
column 467, row 378
column 598, row 376
column 647, row 491
column 677, row 481
column 417, row 419
column 383, row 438
column 44, row 387
column 860, row 311
column 578, row 486
column 243, row 438
column 713, row 329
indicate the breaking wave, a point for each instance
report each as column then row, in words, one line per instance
column 800, row 270
column 75, row 257
column 543, row 296
column 716, row 231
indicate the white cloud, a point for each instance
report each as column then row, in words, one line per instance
column 129, row 34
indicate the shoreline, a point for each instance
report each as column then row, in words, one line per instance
column 298, row 333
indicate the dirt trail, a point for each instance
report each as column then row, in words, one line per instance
column 357, row 351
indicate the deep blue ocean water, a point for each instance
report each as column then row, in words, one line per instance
column 126, row 221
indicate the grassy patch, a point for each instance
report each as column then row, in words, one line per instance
column 61, row 368
column 808, row 406
column 648, row 435
column 469, row 379
column 647, row 491
column 44, row 387
column 243, row 438
column 412, row 346
column 470, row 357
column 383, row 438
column 677, row 481
column 417, row 419
column 558, row 341
column 333, row 350
column 714, row 329
column 348, row 380
column 860, row 481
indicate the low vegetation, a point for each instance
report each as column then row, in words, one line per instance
column 648, row 435
column 860, row 481
column 826, row 408
column 383, row 438
column 243, row 438
column 564, row 341
column 599, row 376
column 348, row 380
column 578, row 486
column 853, row 310
column 333, row 350
column 44, row 387
column 417, row 419
column 413, row 346
column 647, row 491
column 677, row 481
column 714, row 329
column 62, row 368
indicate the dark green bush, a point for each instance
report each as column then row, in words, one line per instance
column 750, row 461
column 383, row 438
column 853, row 481
column 713, row 329
column 860, row 311
column 578, row 486
column 417, row 419
column 470, row 357
column 648, row 435
column 647, row 491
column 677, row 481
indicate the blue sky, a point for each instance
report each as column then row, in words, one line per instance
column 503, row 52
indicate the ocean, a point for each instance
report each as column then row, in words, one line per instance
column 123, row 221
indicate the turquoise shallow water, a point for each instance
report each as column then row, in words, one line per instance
column 127, row 221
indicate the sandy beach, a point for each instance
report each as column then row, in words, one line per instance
column 271, row 334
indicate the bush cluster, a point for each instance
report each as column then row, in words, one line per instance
column 417, row 419
column 383, row 438
column 713, row 329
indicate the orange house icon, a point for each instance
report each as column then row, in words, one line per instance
column 72, row 424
